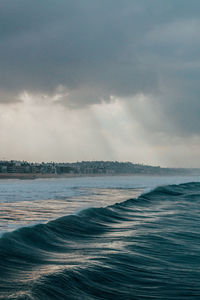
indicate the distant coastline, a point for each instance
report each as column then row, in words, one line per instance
column 25, row 176
column 25, row 170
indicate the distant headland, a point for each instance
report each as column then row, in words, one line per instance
column 26, row 170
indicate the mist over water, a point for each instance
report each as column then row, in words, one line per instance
column 146, row 247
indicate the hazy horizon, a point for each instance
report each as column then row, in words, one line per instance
column 100, row 80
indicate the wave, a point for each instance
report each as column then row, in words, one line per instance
column 143, row 248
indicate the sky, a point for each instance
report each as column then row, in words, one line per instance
column 100, row 80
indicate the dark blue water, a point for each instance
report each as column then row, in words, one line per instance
column 144, row 248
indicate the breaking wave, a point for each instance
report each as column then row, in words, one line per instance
column 144, row 248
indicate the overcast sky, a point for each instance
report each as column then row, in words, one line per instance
column 100, row 80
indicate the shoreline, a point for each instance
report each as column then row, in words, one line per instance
column 24, row 176
column 31, row 176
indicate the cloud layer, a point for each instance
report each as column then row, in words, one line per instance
column 87, row 53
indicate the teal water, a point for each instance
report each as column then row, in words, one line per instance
column 146, row 247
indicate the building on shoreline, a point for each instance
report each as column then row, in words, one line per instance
column 88, row 167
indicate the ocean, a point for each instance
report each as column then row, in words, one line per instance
column 117, row 237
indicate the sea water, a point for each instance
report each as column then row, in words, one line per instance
column 126, row 237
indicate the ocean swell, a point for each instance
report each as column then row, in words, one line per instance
column 144, row 248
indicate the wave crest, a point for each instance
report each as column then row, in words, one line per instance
column 144, row 248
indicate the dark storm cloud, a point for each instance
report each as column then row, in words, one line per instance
column 95, row 49
column 80, row 44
